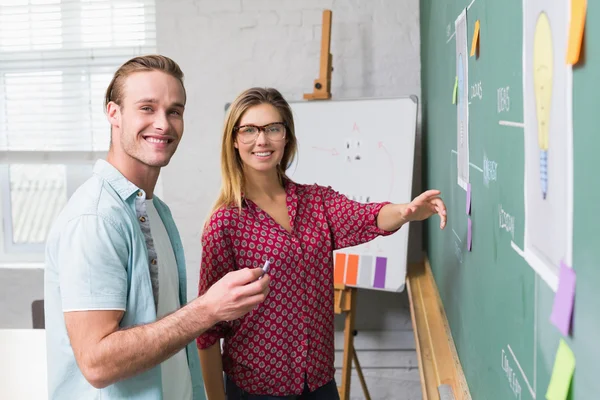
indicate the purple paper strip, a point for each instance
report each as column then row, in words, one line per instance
column 562, row 310
column 469, row 233
column 380, row 267
column 468, row 198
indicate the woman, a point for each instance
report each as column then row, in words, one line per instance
column 284, row 349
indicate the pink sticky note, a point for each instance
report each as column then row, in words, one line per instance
column 469, row 233
column 562, row 310
column 468, row 198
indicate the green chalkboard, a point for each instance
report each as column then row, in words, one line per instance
column 497, row 305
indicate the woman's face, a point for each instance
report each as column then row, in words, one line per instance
column 260, row 138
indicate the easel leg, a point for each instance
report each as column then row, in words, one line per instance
column 348, row 346
column 360, row 375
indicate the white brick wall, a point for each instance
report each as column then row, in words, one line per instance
column 226, row 46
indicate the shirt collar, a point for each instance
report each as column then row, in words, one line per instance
column 288, row 185
column 115, row 179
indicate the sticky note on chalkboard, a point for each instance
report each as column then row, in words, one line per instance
column 578, row 11
column 469, row 234
column 564, row 366
column 475, row 42
column 468, row 198
column 455, row 90
column 562, row 310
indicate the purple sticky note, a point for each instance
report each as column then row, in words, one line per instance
column 469, row 233
column 468, row 198
column 562, row 310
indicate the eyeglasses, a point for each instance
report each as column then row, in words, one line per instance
column 249, row 133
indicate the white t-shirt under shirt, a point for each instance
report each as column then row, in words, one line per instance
column 176, row 379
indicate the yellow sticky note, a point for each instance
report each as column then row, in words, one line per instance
column 578, row 10
column 455, row 90
column 475, row 39
column 564, row 366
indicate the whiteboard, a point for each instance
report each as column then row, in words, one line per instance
column 363, row 149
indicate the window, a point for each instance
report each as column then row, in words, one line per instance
column 56, row 60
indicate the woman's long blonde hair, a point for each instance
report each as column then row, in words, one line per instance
column 232, row 171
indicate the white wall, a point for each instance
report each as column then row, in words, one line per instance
column 226, row 46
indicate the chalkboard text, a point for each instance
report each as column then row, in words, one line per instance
column 490, row 169
column 476, row 91
column 506, row 221
column 458, row 252
column 511, row 376
column 503, row 100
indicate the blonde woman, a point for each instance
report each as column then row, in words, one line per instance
column 284, row 349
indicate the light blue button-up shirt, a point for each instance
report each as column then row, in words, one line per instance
column 97, row 258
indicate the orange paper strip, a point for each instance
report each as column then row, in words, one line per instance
column 339, row 268
column 352, row 269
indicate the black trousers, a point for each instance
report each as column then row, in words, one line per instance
column 328, row 391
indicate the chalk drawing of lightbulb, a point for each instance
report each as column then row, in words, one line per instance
column 542, row 84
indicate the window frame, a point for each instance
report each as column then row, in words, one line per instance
column 26, row 252
column 90, row 60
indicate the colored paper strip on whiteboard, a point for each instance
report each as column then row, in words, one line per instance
column 352, row 270
column 365, row 274
column 339, row 268
column 380, row 268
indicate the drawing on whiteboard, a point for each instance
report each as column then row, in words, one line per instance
column 542, row 82
column 347, row 147
column 357, row 155
column 360, row 198
column 381, row 146
column 548, row 135
column 333, row 151
column 353, row 149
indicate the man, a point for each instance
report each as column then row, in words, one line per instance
column 115, row 275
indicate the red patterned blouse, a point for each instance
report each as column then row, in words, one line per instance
column 289, row 338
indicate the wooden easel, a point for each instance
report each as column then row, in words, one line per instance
column 344, row 301
column 344, row 296
column 322, row 86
